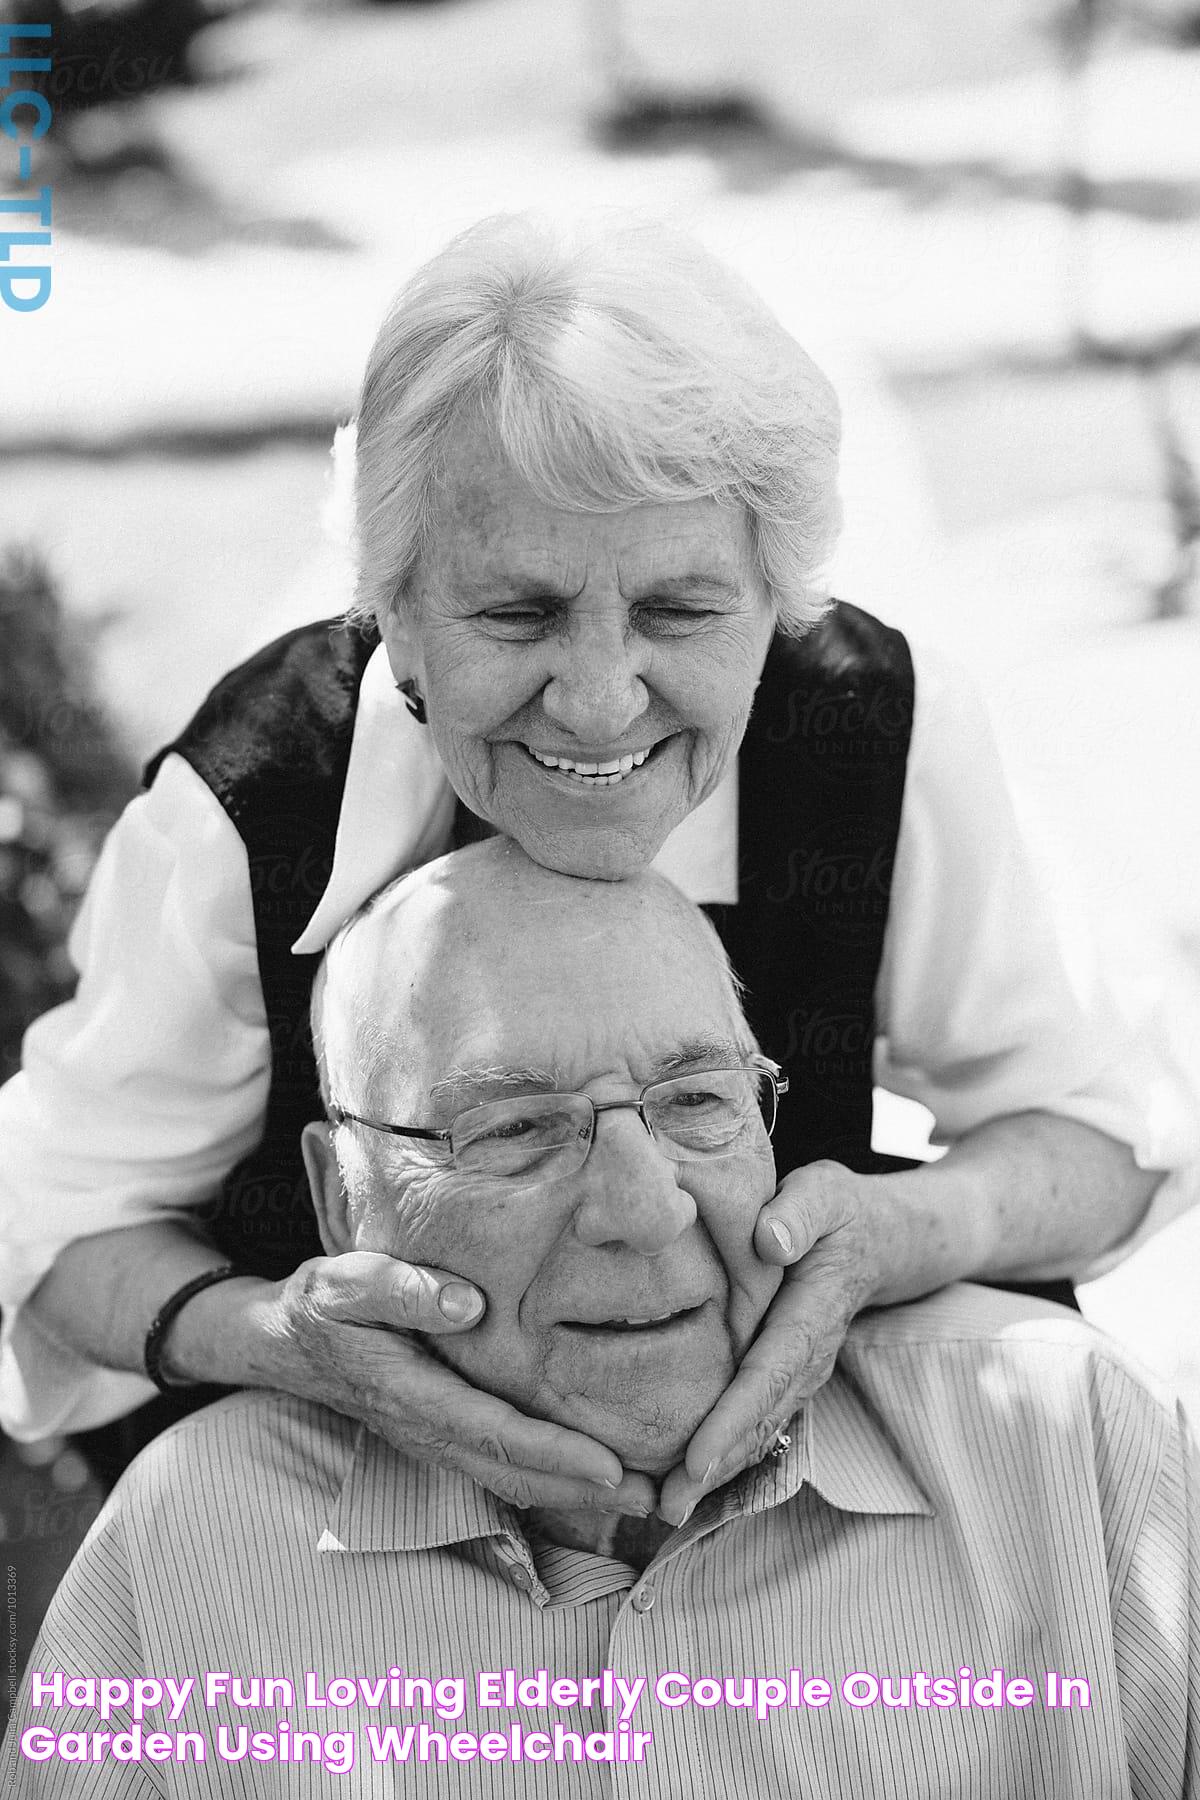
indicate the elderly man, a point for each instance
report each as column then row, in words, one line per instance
column 966, row 1572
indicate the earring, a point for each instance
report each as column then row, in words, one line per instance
column 414, row 699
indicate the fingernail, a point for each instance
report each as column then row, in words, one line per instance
column 708, row 1474
column 782, row 1236
column 458, row 1302
column 688, row 1511
column 612, row 1484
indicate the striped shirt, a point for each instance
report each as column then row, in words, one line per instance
column 969, row 1576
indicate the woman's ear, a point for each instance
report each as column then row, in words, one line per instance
column 328, row 1189
column 402, row 642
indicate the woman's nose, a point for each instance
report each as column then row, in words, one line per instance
column 629, row 1192
column 596, row 692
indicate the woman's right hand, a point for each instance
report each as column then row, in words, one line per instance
column 340, row 1331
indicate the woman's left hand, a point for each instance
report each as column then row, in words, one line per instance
column 826, row 1227
column 1025, row 1196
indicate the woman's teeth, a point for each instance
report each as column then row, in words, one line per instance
column 593, row 774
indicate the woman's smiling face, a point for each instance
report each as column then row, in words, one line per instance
column 588, row 676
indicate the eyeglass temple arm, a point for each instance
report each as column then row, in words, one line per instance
column 765, row 1066
column 340, row 1117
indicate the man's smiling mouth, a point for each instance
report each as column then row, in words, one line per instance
column 622, row 1325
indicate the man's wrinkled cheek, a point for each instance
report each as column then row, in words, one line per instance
column 407, row 1218
column 452, row 1223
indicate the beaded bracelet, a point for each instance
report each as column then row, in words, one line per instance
column 157, row 1334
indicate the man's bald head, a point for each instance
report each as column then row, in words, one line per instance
column 488, row 927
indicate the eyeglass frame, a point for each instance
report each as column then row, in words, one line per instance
column 758, row 1065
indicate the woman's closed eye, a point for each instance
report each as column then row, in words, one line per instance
column 652, row 617
column 528, row 619
column 672, row 618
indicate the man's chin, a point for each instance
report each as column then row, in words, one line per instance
column 656, row 1463
column 651, row 1446
column 648, row 1431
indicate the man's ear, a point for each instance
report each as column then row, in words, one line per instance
column 328, row 1189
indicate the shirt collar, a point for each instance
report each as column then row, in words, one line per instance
column 838, row 1447
column 398, row 812
column 851, row 1459
column 390, row 1502
column 397, row 807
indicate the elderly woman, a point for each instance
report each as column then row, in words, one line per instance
column 595, row 488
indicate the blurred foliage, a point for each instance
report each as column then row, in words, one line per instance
column 107, row 52
column 1165, row 21
column 1171, row 21
column 63, row 779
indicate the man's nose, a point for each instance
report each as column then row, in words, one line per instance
column 629, row 1193
column 596, row 691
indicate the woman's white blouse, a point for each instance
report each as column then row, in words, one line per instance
column 138, row 1095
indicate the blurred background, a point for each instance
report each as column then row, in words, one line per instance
column 982, row 220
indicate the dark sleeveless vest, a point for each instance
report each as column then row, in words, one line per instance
column 821, row 781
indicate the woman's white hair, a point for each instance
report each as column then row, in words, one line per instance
column 617, row 363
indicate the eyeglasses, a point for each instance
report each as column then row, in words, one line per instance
column 543, row 1137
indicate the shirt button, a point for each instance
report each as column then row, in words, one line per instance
column 643, row 1597
column 520, row 1576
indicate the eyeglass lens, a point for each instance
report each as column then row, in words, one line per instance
column 690, row 1117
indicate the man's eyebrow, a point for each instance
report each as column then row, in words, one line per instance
column 467, row 1085
column 715, row 1052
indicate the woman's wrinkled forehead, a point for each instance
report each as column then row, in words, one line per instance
column 492, row 521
